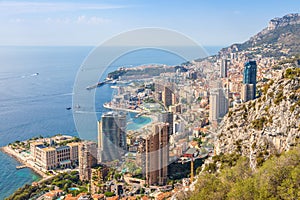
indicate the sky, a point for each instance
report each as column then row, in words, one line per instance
column 91, row 22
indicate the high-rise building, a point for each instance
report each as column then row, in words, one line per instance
column 175, row 108
column 167, row 96
column 87, row 159
column 218, row 102
column 250, row 70
column 154, row 151
column 167, row 117
column 111, row 136
column 247, row 92
column 213, row 107
column 223, row 68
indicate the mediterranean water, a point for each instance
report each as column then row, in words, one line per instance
column 36, row 85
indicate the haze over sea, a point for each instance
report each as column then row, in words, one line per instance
column 34, row 104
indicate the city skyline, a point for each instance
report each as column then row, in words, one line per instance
column 212, row 23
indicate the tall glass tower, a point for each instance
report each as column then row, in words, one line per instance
column 111, row 136
column 250, row 70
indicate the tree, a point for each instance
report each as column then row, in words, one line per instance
column 109, row 194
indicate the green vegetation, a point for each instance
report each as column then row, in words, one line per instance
column 24, row 193
column 64, row 181
column 149, row 100
column 132, row 168
column 198, row 140
column 267, row 108
column 279, row 97
column 277, row 178
column 258, row 124
column 177, row 171
column 230, row 113
column 109, row 194
column 274, row 38
column 292, row 108
column 292, row 73
column 265, row 88
column 75, row 139
column 116, row 74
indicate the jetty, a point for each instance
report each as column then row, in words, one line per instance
column 21, row 166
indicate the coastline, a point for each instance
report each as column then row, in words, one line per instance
column 140, row 113
column 105, row 105
column 10, row 152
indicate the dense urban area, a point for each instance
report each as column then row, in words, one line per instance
column 220, row 129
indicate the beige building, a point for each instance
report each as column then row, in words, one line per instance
column 53, row 157
column 167, row 96
column 247, row 92
column 87, row 159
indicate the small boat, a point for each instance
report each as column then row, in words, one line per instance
column 35, row 74
column 68, row 108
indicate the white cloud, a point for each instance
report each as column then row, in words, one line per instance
column 14, row 7
column 91, row 20
column 82, row 19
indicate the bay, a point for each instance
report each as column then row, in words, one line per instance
column 36, row 86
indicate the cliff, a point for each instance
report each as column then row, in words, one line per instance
column 281, row 36
column 265, row 126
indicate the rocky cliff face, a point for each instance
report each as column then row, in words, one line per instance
column 267, row 125
column 281, row 34
column 290, row 19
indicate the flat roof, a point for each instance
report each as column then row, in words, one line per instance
column 48, row 149
column 73, row 144
column 62, row 148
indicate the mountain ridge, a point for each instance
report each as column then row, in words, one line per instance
column 282, row 35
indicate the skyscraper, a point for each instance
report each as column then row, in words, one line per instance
column 247, row 92
column 223, row 68
column 111, row 136
column 155, row 154
column 167, row 117
column 218, row 102
column 250, row 70
column 87, row 159
column 167, row 96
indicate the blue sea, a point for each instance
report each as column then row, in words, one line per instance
column 36, row 85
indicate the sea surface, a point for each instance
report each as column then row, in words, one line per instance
column 36, row 85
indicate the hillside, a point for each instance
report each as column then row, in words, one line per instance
column 280, row 38
column 277, row 178
column 265, row 126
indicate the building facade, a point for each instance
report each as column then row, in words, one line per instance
column 111, row 136
column 167, row 117
column 249, row 78
column 87, row 159
column 154, row 153
column 223, row 68
column 218, row 102
column 167, row 96
column 48, row 157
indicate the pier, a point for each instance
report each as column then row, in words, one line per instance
column 21, row 166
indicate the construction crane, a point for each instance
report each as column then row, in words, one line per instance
column 192, row 169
